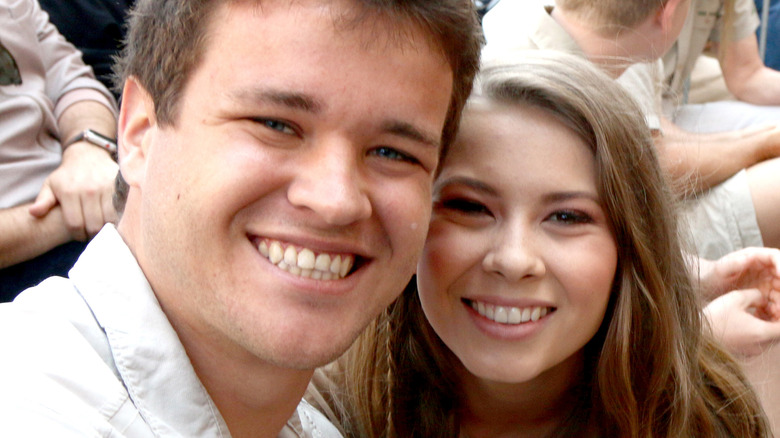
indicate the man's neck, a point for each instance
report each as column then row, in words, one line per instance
column 613, row 51
column 254, row 397
column 257, row 406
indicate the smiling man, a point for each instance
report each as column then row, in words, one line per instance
column 277, row 160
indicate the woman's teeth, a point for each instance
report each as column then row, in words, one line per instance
column 509, row 315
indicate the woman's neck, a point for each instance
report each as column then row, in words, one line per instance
column 535, row 408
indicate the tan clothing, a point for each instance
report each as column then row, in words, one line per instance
column 702, row 25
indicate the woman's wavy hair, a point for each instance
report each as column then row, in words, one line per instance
column 651, row 370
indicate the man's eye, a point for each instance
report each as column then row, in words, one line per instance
column 570, row 217
column 464, row 206
column 277, row 125
column 394, row 154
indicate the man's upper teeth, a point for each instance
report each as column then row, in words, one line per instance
column 305, row 262
column 509, row 315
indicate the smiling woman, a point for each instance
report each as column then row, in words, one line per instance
column 552, row 297
column 519, row 230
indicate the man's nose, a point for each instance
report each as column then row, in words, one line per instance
column 331, row 183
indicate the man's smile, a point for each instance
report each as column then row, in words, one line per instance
column 305, row 262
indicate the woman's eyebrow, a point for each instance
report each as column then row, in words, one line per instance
column 574, row 194
column 466, row 181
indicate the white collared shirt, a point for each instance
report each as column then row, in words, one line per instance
column 95, row 356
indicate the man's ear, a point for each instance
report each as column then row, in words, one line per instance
column 668, row 13
column 136, row 123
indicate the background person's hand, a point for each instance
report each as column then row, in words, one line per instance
column 746, row 321
column 749, row 268
column 83, row 186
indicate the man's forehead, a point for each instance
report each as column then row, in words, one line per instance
column 375, row 23
column 288, row 84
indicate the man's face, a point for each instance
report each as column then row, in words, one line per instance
column 289, row 203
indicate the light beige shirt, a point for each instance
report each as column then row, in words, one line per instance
column 94, row 355
column 702, row 25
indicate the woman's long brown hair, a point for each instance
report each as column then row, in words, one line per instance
column 652, row 370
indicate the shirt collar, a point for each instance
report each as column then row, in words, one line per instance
column 149, row 357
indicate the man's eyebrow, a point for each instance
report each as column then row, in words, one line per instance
column 405, row 129
column 293, row 100
column 308, row 103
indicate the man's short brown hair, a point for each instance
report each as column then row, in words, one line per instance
column 167, row 38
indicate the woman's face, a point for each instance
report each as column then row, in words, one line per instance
column 519, row 262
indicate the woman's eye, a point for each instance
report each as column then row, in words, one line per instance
column 464, row 206
column 570, row 217
column 393, row 154
column 277, row 125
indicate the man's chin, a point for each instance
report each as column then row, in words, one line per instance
column 303, row 358
column 307, row 361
